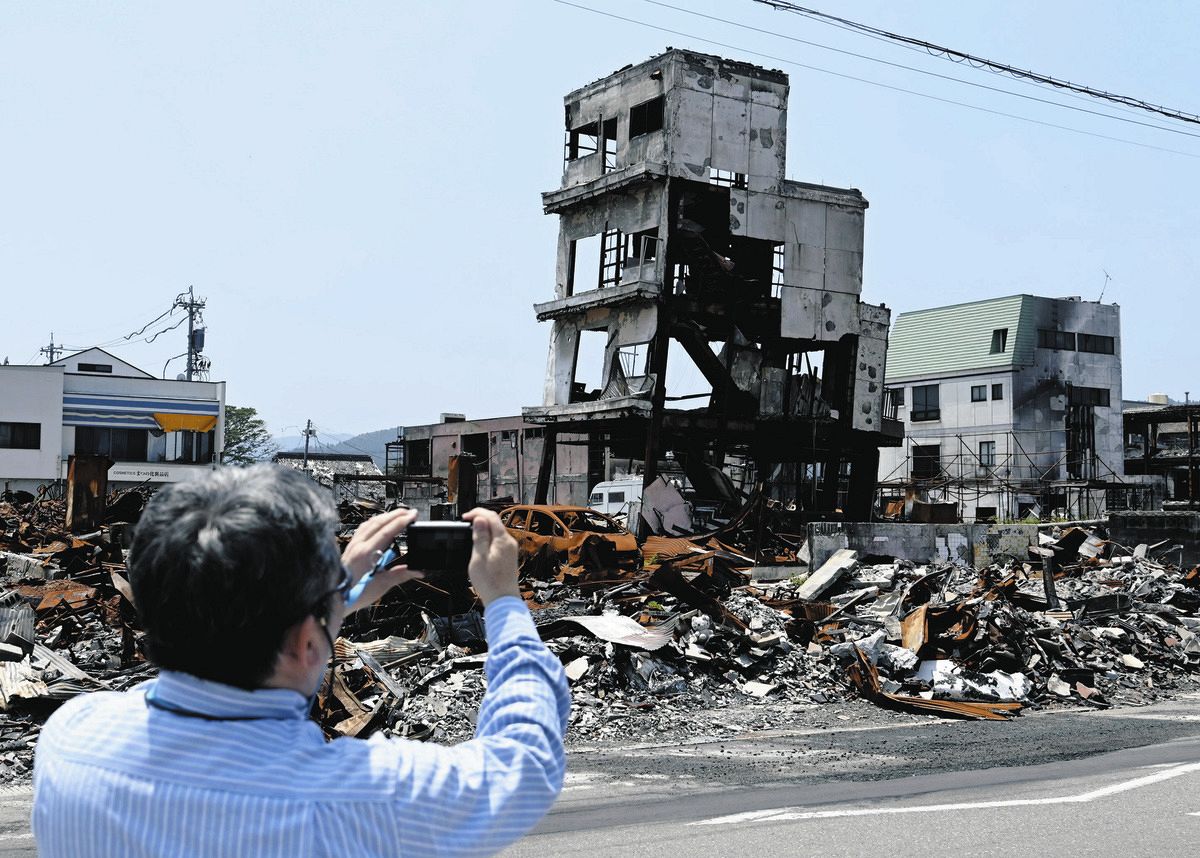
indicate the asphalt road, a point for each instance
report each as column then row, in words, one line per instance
column 1101, row 783
column 1121, row 782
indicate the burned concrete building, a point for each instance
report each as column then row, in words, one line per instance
column 1012, row 409
column 683, row 245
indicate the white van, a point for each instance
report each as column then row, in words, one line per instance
column 613, row 497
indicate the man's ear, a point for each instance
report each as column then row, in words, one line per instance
column 302, row 646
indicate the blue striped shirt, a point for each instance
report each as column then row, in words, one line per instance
column 115, row 776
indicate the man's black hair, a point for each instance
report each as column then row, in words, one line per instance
column 222, row 566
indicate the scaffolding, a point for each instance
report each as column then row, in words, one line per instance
column 1017, row 483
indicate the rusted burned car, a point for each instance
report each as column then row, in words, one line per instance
column 574, row 535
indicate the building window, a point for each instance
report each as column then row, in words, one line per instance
column 926, row 404
column 1088, row 396
column 646, row 117
column 897, row 394
column 985, row 514
column 107, row 367
column 612, row 257
column 536, row 432
column 609, row 140
column 726, row 179
column 417, row 457
column 777, row 271
column 987, row 454
column 997, row 391
column 642, row 246
column 1058, row 340
column 616, row 497
column 21, row 436
column 583, row 141
column 120, row 445
column 979, row 393
column 999, row 341
column 1097, row 344
column 926, row 460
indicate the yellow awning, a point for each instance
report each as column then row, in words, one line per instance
column 179, row 422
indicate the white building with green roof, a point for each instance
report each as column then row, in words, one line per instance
column 1010, row 405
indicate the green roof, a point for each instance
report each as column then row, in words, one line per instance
column 957, row 339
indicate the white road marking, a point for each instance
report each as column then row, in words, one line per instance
column 791, row 814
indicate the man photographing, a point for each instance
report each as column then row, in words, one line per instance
column 241, row 592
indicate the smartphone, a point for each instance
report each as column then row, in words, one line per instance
column 438, row 546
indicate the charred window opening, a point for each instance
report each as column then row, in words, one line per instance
column 612, row 257
column 926, row 461
column 587, row 379
column 417, row 458
column 1092, row 396
column 1097, row 344
column 753, row 264
column 777, row 271
column 641, row 247
column 633, row 359
column 475, row 444
column 1057, row 340
column 584, row 272
column 609, row 138
column 726, row 178
column 646, row 117
column 583, row 141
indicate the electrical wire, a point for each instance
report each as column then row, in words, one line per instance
column 129, row 339
column 880, row 61
column 982, row 63
column 877, row 83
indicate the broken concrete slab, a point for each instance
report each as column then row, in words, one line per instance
column 830, row 573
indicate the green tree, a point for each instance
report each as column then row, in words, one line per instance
column 246, row 437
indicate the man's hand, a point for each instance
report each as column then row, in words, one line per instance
column 375, row 535
column 493, row 566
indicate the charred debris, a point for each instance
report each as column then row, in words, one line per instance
column 669, row 647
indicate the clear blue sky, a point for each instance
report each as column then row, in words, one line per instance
column 355, row 187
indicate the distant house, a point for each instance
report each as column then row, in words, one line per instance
column 155, row 430
column 337, row 471
column 1010, row 406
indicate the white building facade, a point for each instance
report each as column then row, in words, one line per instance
column 1011, row 407
column 154, row 430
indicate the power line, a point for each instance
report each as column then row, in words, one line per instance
column 869, row 82
column 926, row 72
column 980, row 62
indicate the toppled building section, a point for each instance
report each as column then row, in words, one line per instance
column 684, row 251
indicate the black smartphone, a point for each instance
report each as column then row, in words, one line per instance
column 438, row 546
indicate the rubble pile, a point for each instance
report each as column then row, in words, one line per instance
column 67, row 623
column 668, row 649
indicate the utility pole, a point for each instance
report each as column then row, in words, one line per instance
column 51, row 351
column 195, row 363
column 308, row 433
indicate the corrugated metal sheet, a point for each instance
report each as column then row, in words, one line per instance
column 16, row 622
column 956, row 339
